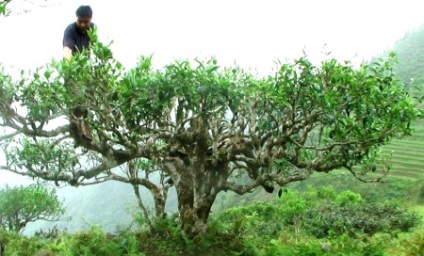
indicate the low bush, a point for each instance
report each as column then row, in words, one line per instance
column 330, row 224
column 16, row 244
column 167, row 238
column 96, row 242
column 408, row 244
column 368, row 218
column 320, row 213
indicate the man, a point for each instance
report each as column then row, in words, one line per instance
column 75, row 40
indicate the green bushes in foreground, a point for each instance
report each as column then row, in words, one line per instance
column 215, row 242
column 322, row 222
column 94, row 242
column 320, row 213
column 316, row 222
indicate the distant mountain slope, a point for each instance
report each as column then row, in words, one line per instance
column 410, row 51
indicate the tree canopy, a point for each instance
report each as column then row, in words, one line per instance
column 199, row 125
column 21, row 205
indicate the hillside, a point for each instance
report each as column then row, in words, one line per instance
column 407, row 155
column 409, row 50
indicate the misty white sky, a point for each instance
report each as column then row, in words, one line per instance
column 251, row 33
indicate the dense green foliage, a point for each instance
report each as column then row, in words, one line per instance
column 24, row 204
column 261, row 228
column 92, row 242
column 321, row 213
column 369, row 218
column 331, row 223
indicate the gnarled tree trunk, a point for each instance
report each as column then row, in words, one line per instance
column 197, row 188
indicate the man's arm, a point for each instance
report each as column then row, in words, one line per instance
column 67, row 52
column 68, row 43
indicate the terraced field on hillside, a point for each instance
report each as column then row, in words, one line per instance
column 407, row 154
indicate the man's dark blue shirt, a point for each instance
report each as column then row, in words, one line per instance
column 75, row 39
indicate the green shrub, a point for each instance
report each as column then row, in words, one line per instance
column 290, row 244
column 348, row 197
column 167, row 238
column 320, row 193
column 368, row 218
column 22, row 245
column 319, row 212
column 96, row 242
column 261, row 219
column 407, row 244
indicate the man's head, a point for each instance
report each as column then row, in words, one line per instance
column 84, row 14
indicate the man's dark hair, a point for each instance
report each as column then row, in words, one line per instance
column 84, row 11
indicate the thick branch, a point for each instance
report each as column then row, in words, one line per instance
column 9, row 136
column 296, row 175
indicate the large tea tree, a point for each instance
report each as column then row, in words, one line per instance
column 202, row 128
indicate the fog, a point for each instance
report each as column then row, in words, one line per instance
column 250, row 33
